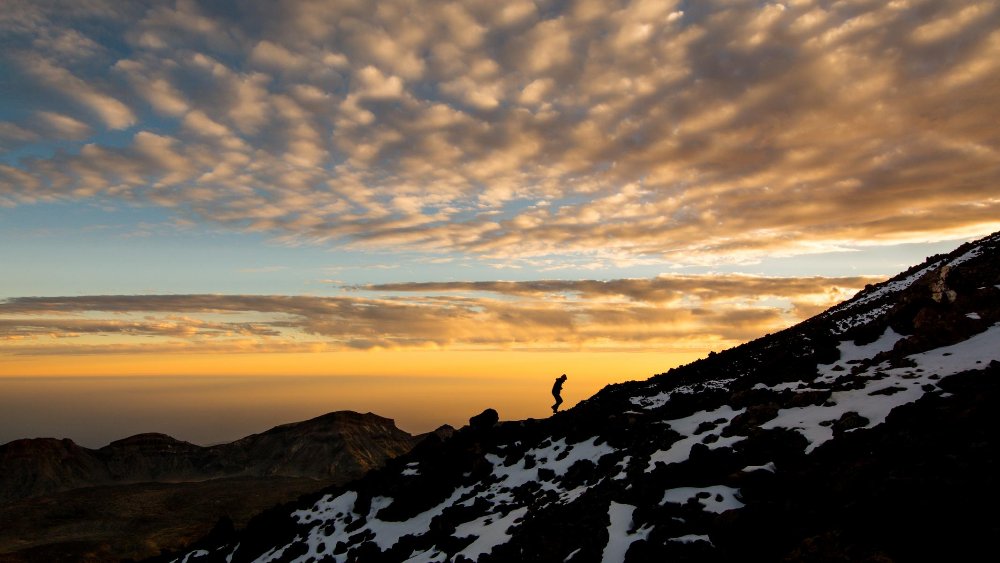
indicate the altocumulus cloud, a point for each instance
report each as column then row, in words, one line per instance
column 692, row 131
column 666, row 312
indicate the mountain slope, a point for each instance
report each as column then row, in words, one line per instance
column 136, row 496
column 863, row 434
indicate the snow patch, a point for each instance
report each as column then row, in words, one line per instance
column 387, row 533
column 489, row 531
column 681, row 450
column 194, row 555
column 861, row 319
column 692, row 538
column 429, row 556
column 769, row 467
column 275, row 554
column 331, row 517
column 546, row 457
column 886, row 388
column 851, row 353
column 974, row 252
column 657, row 401
column 717, row 499
column 786, row 386
column 966, row 355
column 328, row 508
column 623, row 468
column 889, row 288
column 619, row 537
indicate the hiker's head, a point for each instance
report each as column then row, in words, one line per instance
column 563, row 376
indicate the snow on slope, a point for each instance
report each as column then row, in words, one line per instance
column 690, row 429
column 619, row 535
column 655, row 478
column 872, row 303
column 883, row 388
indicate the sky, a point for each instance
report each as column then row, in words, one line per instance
column 219, row 216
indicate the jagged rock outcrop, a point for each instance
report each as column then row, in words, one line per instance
column 863, row 434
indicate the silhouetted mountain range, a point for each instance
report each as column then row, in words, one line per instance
column 158, row 480
column 336, row 445
column 866, row 433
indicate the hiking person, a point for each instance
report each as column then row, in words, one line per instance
column 556, row 389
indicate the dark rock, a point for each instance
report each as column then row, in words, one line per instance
column 705, row 427
column 891, row 390
column 486, row 419
column 807, row 398
column 849, row 421
column 754, row 416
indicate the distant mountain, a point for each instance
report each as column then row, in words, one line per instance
column 867, row 433
column 340, row 445
column 136, row 496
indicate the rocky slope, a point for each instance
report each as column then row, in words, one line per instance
column 150, row 492
column 864, row 434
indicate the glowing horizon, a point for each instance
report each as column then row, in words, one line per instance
column 410, row 189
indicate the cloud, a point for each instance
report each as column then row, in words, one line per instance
column 664, row 289
column 690, row 133
column 169, row 326
column 272, row 56
column 106, row 108
column 376, row 85
column 63, row 126
column 639, row 314
column 12, row 135
column 154, row 87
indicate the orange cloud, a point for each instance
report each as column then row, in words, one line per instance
column 633, row 314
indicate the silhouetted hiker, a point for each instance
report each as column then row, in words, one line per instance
column 556, row 389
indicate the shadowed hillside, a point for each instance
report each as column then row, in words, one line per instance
column 136, row 496
column 863, row 434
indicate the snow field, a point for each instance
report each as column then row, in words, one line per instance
column 851, row 353
column 887, row 388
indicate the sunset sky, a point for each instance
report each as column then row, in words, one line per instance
column 220, row 216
